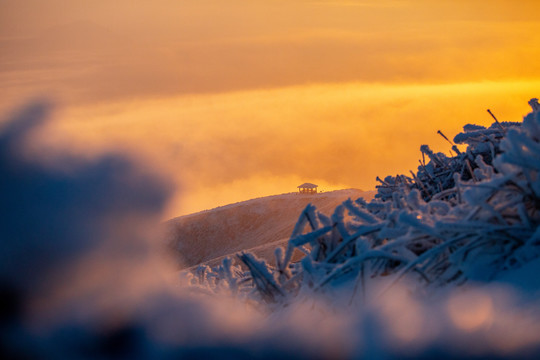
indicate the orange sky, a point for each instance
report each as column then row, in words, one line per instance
column 240, row 99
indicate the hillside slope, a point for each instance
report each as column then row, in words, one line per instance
column 253, row 224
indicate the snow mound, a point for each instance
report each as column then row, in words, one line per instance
column 258, row 225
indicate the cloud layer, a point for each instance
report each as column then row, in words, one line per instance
column 224, row 148
column 100, row 52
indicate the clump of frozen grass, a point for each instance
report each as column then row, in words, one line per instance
column 421, row 271
column 468, row 217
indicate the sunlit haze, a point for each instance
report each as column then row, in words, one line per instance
column 241, row 99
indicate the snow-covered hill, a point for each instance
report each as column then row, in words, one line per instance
column 258, row 225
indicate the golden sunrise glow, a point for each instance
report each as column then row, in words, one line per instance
column 251, row 98
column 226, row 148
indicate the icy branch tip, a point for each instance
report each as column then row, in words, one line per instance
column 534, row 104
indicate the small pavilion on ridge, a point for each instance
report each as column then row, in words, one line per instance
column 307, row 188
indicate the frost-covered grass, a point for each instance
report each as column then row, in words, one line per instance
column 457, row 219
column 456, row 226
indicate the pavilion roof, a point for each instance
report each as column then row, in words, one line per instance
column 308, row 186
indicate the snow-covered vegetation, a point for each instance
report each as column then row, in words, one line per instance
column 466, row 217
column 460, row 221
